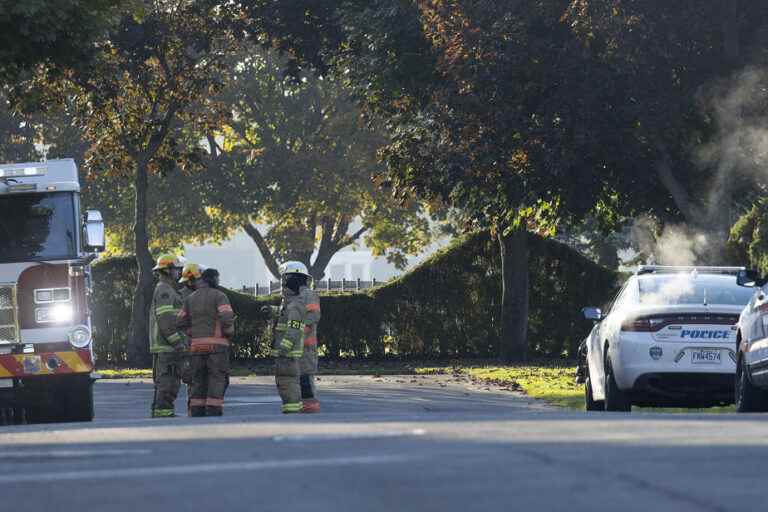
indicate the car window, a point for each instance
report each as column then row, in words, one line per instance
column 608, row 307
column 672, row 289
column 625, row 296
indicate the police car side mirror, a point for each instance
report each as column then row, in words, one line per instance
column 94, row 231
column 750, row 279
column 593, row 314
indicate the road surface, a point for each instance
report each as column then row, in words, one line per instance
column 383, row 444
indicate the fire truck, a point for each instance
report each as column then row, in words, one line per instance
column 46, row 248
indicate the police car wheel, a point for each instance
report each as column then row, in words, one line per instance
column 749, row 398
column 615, row 398
column 589, row 402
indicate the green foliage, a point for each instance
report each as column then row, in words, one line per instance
column 446, row 307
column 17, row 136
column 51, row 32
column 748, row 244
column 114, row 280
column 303, row 162
column 450, row 306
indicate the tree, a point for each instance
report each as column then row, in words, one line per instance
column 51, row 32
column 305, row 164
column 747, row 243
column 676, row 63
column 145, row 95
column 486, row 104
column 17, row 135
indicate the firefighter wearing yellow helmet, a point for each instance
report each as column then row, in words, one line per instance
column 295, row 340
column 166, row 343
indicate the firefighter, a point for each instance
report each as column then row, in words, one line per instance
column 209, row 320
column 295, row 341
column 167, row 343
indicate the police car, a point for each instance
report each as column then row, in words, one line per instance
column 666, row 340
column 752, row 347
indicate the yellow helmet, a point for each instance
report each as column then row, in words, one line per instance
column 167, row 260
column 190, row 271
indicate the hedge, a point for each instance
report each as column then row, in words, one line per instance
column 446, row 307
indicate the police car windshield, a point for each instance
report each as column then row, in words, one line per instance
column 672, row 289
column 35, row 227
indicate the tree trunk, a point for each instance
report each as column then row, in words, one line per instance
column 514, row 296
column 138, row 341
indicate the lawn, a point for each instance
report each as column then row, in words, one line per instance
column 549, row 382
column 553, row 383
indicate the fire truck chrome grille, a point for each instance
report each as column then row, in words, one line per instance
column 8, row 327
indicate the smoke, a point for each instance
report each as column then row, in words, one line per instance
column 671, row 290
column 739, row 149
column 677, row 245
column 735, row 158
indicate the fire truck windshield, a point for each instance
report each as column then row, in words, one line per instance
column 36, row 227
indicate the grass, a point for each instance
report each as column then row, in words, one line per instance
column 125, row 373
column 555, row 384
column 549, row 382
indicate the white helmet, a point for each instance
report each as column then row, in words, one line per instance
column 294, row 267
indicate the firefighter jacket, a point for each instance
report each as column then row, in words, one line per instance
column 208, row 319
column 297, row 323
column 164, row 336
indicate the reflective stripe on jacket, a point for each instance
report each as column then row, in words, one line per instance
column 164, row 336
column 297, row 324
column 208, row 318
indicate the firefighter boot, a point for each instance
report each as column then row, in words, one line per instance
column 309, row 404
column 197, row 411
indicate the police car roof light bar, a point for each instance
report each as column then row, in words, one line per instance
column 658, row 269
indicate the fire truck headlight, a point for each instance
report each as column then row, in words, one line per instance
column 58, row 314
column 61, row 313
column 80, row 336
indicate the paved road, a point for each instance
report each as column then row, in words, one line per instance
column 390, row 444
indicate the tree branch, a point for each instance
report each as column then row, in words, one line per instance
column 264, row 249
column 354, row 237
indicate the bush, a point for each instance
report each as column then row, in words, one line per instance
column 446, row 307
column 450, row 304
column 114, row 280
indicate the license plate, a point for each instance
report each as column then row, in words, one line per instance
column 32, row 364
column 6, row 383
column 704, row 356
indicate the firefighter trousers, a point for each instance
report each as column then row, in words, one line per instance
column 308, row 369
column 166, row 374
column 210, row 379
column 287, row 374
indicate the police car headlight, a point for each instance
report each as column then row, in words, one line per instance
column 80, row 336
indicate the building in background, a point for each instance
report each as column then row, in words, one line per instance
column 241, row 265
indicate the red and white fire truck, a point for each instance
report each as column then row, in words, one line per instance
column 46, row 247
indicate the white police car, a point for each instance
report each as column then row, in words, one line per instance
column 752, row 347
column 668, row 339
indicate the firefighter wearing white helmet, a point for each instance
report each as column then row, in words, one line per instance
column 295, row 340
column 166, row 343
